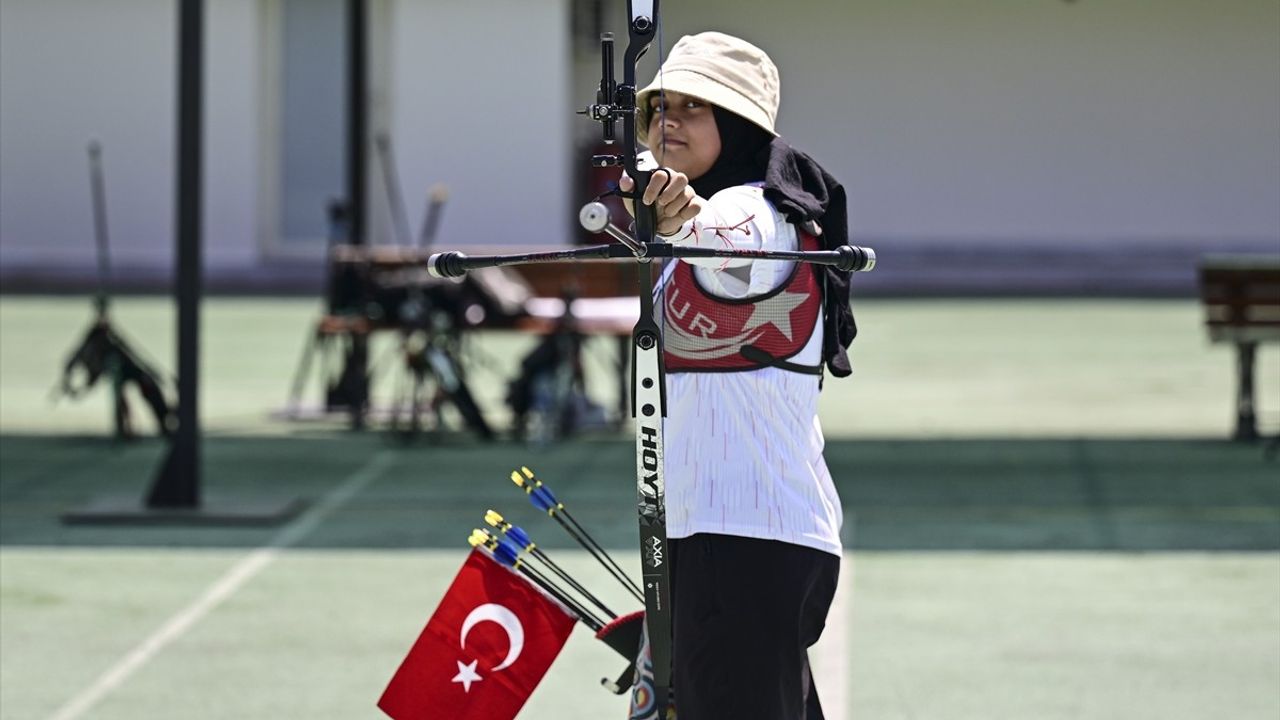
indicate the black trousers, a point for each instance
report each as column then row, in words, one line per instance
column 744, row 613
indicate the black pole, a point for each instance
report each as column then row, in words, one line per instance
column 357, row 124
column 354, row 386
column 98, row 190
column 178, row 484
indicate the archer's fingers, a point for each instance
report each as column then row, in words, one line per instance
column 691, row 210
column 657, row 182
column 676, row 188
column 676, row 205
column 675, row 219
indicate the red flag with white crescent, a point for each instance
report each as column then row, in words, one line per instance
column 484, row 650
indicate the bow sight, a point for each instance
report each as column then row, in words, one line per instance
column 618, row 102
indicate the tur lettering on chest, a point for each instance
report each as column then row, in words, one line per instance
column 696, row 322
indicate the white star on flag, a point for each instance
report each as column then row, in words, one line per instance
column 786, row 302
column 467, row 675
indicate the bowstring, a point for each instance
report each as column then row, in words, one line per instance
column 662, row 98
column 659, row 290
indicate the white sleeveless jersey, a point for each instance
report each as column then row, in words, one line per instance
column 743, row 450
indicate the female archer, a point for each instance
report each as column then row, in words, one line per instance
column 753, row 517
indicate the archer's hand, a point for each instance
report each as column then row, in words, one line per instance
column 669, row 192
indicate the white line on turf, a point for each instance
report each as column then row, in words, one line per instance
column 225, row 587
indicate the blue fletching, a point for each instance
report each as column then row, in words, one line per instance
column 509, row 547
column 551, row 496
column 518, row 536
column 541, row 500
column 506, row 554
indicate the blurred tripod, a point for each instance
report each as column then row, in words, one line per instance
column 388, row 288
column 103, row 352
column 548, row 399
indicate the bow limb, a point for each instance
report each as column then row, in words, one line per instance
column 648, row 384
column 642, row 27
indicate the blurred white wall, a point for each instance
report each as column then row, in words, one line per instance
column 1030, row 119
column 949, row 120
column 72, row 71
column 473, row 94
column 478, row 98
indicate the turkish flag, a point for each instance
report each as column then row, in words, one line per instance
column 483, row 651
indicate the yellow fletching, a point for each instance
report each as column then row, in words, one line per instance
column 493, row 518
column 517, row 479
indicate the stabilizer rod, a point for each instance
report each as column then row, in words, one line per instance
column 456, row 264
column 848, row 258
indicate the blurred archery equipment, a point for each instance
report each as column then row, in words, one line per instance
column 426, row 317
column 102, row 351
column 548, row 399
column 387, row 288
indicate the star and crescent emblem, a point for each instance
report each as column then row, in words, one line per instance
column 510, row 624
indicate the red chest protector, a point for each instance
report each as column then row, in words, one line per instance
column 705, row 333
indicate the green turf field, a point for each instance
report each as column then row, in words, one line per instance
column 1043, row 520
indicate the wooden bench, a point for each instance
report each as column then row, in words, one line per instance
column 1241, row 295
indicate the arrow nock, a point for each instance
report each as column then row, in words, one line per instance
column 494, row 519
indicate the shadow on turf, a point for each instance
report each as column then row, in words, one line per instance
column 979, row 494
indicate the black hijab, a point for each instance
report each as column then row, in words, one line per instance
column 744, row 154
column 802, row 191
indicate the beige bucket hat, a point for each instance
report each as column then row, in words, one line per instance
column 723, row 70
